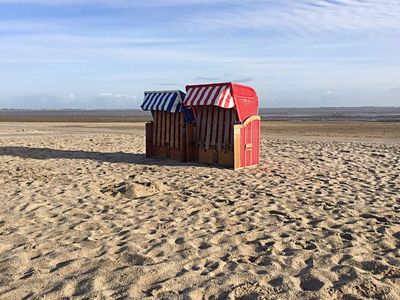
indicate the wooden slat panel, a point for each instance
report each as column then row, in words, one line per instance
column 227, row 125
column 158, row 128
column 154, row 113
column 203, row 128
column 233, row 120
column 190, row 155
column 210, row 113
column 167, row 127
column 220, row 128
column 177, row 130
column 198, row 122
column 181, row 122
column 214, row 130
column 163, row 128
column 172, row 135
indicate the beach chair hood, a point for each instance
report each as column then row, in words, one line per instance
column 169, row 101
column 226, row 95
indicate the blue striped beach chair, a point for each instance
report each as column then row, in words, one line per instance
column 170, row 133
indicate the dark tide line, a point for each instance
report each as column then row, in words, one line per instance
column 387, row 114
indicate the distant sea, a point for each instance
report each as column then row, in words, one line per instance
column 389, row 114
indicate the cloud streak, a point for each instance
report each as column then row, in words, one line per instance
column 290, row 51
column 116, row 3
column 305, row 16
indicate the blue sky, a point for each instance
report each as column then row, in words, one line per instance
column 105, row 53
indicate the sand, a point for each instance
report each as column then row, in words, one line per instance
column 84, row 214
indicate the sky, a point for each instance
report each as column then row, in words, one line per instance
column 95, row 54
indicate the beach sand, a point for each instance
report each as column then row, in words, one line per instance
column 84, row 214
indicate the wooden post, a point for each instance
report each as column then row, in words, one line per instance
column 198, row 122
column 154, row 113
column 167, row 128
column 231, row 133
column 182, row 141
column 203, row 126
column 162, row 128
column 236, row 146
column 172, row 137
column 220, row 128
column 158, row 128
column 177, row 121
column 190, row 156
column 227, row 128
column 209, row 126
column 214, row 126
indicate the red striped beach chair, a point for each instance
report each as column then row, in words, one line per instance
column 227, row 126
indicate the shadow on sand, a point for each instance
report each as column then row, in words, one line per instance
column 111, row 157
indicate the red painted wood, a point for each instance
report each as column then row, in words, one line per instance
column 246, row 101
column 250, row 144
column 220, row 133
column 245, row 98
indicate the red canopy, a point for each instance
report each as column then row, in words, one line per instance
column 226, row 95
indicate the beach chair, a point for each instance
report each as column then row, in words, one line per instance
column 227, row 124
column 170, row 133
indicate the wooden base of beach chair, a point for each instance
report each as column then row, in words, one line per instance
column 241, row 150
column 213, row 156
column 181, row 148
column 153, row 150
column 206, row 156
column 190, row 145
column 225, row 158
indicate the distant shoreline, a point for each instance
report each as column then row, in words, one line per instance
column 381, row 114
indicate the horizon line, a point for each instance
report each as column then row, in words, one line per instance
column 138, row 109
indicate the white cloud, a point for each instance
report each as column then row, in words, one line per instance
column 105, row 95
column 284, row 17
column 305, row 16
column 255, row 41
column 116, row 3
column 117, row 96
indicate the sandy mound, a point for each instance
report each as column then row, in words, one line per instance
column 135, row 188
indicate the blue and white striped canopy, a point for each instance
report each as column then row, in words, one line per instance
column 170, row 101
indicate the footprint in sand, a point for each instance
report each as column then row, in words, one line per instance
column 276, row 282
column 135, row 259
column 209, row 267
column 374, row 266
column 310, row 283
column 247, row 291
